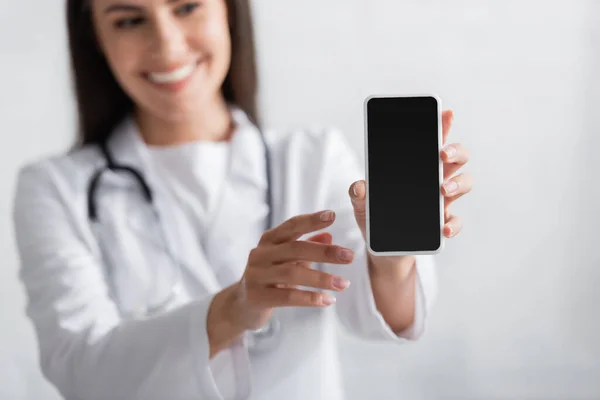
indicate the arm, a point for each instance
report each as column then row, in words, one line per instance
column 394, row 287
column 86, row 350
column 393, row 278
column 382, row 303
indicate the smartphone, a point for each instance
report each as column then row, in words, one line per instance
column 404, row 174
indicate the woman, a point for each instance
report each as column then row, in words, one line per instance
column 152, row 288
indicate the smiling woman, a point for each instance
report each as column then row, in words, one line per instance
column 180, row 251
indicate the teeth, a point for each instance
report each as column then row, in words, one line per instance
column 173, row 76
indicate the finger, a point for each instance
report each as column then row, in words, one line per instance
column 308, row 251
column 260, row 276
column 453, row 226
column 294, row 298
column 297, row 226
column 293, row 274
column 447, row 118
column 324, row 237
column 358, row 196
column 457, row 186
column 455, row 153
column 448, row 201
column 454, row 157
column 447, row 215
column 298, row 264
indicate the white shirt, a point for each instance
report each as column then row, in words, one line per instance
column 195, row 172
column 88, row 283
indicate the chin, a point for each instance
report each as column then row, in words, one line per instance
column 174, row 112
column 177, row 110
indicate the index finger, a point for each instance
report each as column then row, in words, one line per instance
column 295, row 227
column 447, row 118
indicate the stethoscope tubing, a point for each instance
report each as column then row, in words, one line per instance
column 259, row 340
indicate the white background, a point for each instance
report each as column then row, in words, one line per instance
column 517, row 315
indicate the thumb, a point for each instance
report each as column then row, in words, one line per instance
column 358, row 195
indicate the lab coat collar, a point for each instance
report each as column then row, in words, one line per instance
column 127, row 146
column 247, row 169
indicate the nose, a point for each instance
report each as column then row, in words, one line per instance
column 167, row 41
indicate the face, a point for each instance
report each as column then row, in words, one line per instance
column 169, row 56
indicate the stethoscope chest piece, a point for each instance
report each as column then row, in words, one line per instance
column 266, row 338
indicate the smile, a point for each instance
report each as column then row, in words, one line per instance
column 174, row 76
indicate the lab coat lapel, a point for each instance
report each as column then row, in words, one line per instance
column 239, row 218
column 128, row 148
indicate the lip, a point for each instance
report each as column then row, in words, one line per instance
column 171, row 83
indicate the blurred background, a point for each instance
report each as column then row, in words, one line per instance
column 517, row 314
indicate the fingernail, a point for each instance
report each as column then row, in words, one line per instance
column 354, row 189
column 345, row 254
column 326, row 216
column 450, row 151
column 327, row 299
column 450, row 232
column 450, row 186
column 340, row 282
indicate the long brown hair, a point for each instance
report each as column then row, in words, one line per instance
column 101, row 102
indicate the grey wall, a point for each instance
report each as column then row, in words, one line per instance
column 517, row 315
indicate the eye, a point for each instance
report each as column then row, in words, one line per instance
column 126, row 23
column 186, row 9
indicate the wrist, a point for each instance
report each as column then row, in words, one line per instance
column 223, row 326
column 396, row 268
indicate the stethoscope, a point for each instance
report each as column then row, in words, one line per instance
column 259, row 340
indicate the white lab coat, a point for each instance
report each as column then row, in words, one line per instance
column 86, row 283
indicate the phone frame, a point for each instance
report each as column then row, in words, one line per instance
column 440, row 175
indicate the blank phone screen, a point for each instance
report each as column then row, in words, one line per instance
column 403, row 174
